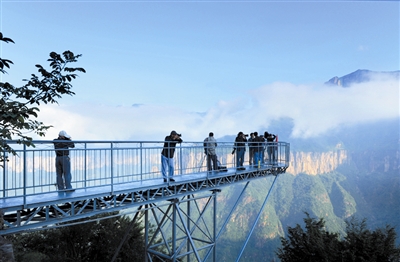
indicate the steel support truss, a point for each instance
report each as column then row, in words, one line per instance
column 185, row 229
column 181, row 231
column 51, row 214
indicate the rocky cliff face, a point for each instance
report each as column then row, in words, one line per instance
column 312, row 163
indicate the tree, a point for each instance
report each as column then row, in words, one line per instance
column 359, row 244
column 312, row 244
column 84, row 242
column 362, row 244
column 18, row 105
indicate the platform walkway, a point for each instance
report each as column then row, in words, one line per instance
column 112, row 176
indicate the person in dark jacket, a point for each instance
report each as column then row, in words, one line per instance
column 259, row 142
column 271, row 147
column 251, row 143
column 167, row 155
column 240, row 148
column 63, row 162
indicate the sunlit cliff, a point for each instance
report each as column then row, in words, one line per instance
column 313, row 163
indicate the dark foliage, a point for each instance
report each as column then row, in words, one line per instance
column 362, row 244
column 18, row 105
column 314, row 243
column 86, row 242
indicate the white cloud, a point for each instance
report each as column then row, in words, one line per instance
column 315, row 109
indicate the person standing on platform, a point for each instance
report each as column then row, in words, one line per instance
column 239, row 148
column 63, row 161
column 210, row 145
column 259, row 143
column 271, row 147
column 167, row 155
column 250, row 141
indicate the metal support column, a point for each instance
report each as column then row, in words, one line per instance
column 182, row 233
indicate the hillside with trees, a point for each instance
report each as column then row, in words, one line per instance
column 365, row 185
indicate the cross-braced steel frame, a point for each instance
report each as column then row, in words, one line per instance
column 185, row 229
column 181, row 231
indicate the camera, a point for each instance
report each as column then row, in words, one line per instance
column 179, row 135
column 246, row 135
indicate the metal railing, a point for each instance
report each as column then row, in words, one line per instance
column 109, row 163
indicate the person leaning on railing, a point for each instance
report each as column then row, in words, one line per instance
column 63, row 164
column 167, row 155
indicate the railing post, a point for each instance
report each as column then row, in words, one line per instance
column 112, row 167
column 85, row 165
column 24, row 172
column 180, row 159
column 141, row 161
column 5, row 157
column 33, row 174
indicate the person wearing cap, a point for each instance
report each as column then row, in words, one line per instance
column 209, row 149
column 63, row 164
column 167, row 155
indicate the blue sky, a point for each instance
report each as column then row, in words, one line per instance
column 201, row 66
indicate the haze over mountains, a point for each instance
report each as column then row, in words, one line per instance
column 351, row 171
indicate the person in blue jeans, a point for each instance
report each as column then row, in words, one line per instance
column 240, row 148
column 258, row 149
column 63, row 163
column 167, row 155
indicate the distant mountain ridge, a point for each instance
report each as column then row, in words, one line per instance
column 352, row 170
column 359, row 76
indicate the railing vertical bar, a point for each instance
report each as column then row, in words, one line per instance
column 85, row 164
column 4, row 172
column 112, row 167
column 141, row 161
column 33, row 174
column 5, row 157
column 180, row 160
column 24, row 174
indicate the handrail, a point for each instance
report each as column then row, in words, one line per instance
column 100, row 163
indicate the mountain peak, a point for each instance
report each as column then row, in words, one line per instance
column 358, row 76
